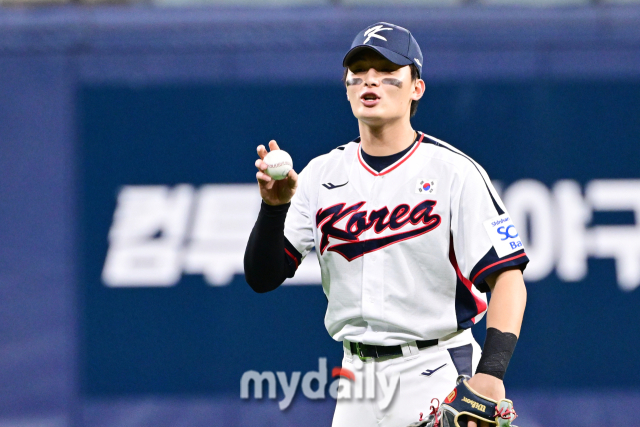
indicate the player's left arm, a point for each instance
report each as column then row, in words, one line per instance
column 504, row 319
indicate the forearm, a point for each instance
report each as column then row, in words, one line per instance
column 504, row 319
column 508, row 300
column 265, row 261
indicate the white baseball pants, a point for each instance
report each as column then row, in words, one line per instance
column 392, row 391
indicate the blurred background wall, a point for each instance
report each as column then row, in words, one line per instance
column 127, row 142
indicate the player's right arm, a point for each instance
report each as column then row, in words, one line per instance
column 269, row 258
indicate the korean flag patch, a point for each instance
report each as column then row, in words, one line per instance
column 503, row 235
column 426, row 186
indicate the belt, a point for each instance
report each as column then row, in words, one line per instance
column 366, row 350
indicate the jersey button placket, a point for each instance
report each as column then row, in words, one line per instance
column 372, row 266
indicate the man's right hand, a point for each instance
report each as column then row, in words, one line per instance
column 274, row 192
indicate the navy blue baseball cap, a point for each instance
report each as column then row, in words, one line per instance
column 391, row 41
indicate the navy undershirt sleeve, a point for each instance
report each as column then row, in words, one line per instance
column 378, row 163
column 266, row 262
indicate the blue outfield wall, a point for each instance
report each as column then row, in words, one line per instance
column 127, row 154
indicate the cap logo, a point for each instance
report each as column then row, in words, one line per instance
column 417, row 61
column 373, row 32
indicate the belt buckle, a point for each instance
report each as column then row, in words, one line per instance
column 359, row 351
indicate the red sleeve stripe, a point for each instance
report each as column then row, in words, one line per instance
column 292, row 257
column 496, row 263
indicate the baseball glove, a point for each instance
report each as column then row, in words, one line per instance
column 463, row 402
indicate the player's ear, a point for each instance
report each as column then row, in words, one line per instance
column 418, row 89
column 345, row 77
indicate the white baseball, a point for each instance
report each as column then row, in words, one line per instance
column 279, row 164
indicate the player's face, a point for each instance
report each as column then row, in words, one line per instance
column 379, row 90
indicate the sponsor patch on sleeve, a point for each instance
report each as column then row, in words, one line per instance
column 503, row 235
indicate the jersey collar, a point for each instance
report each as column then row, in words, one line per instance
column 392, row 166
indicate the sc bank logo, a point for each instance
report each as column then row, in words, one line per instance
column 509, row 232
column 503, row 234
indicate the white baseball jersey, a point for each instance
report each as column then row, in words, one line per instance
column 404, row 252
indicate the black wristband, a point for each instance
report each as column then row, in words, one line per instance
column 498, row 348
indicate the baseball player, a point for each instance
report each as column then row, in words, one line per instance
column 410, row 234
